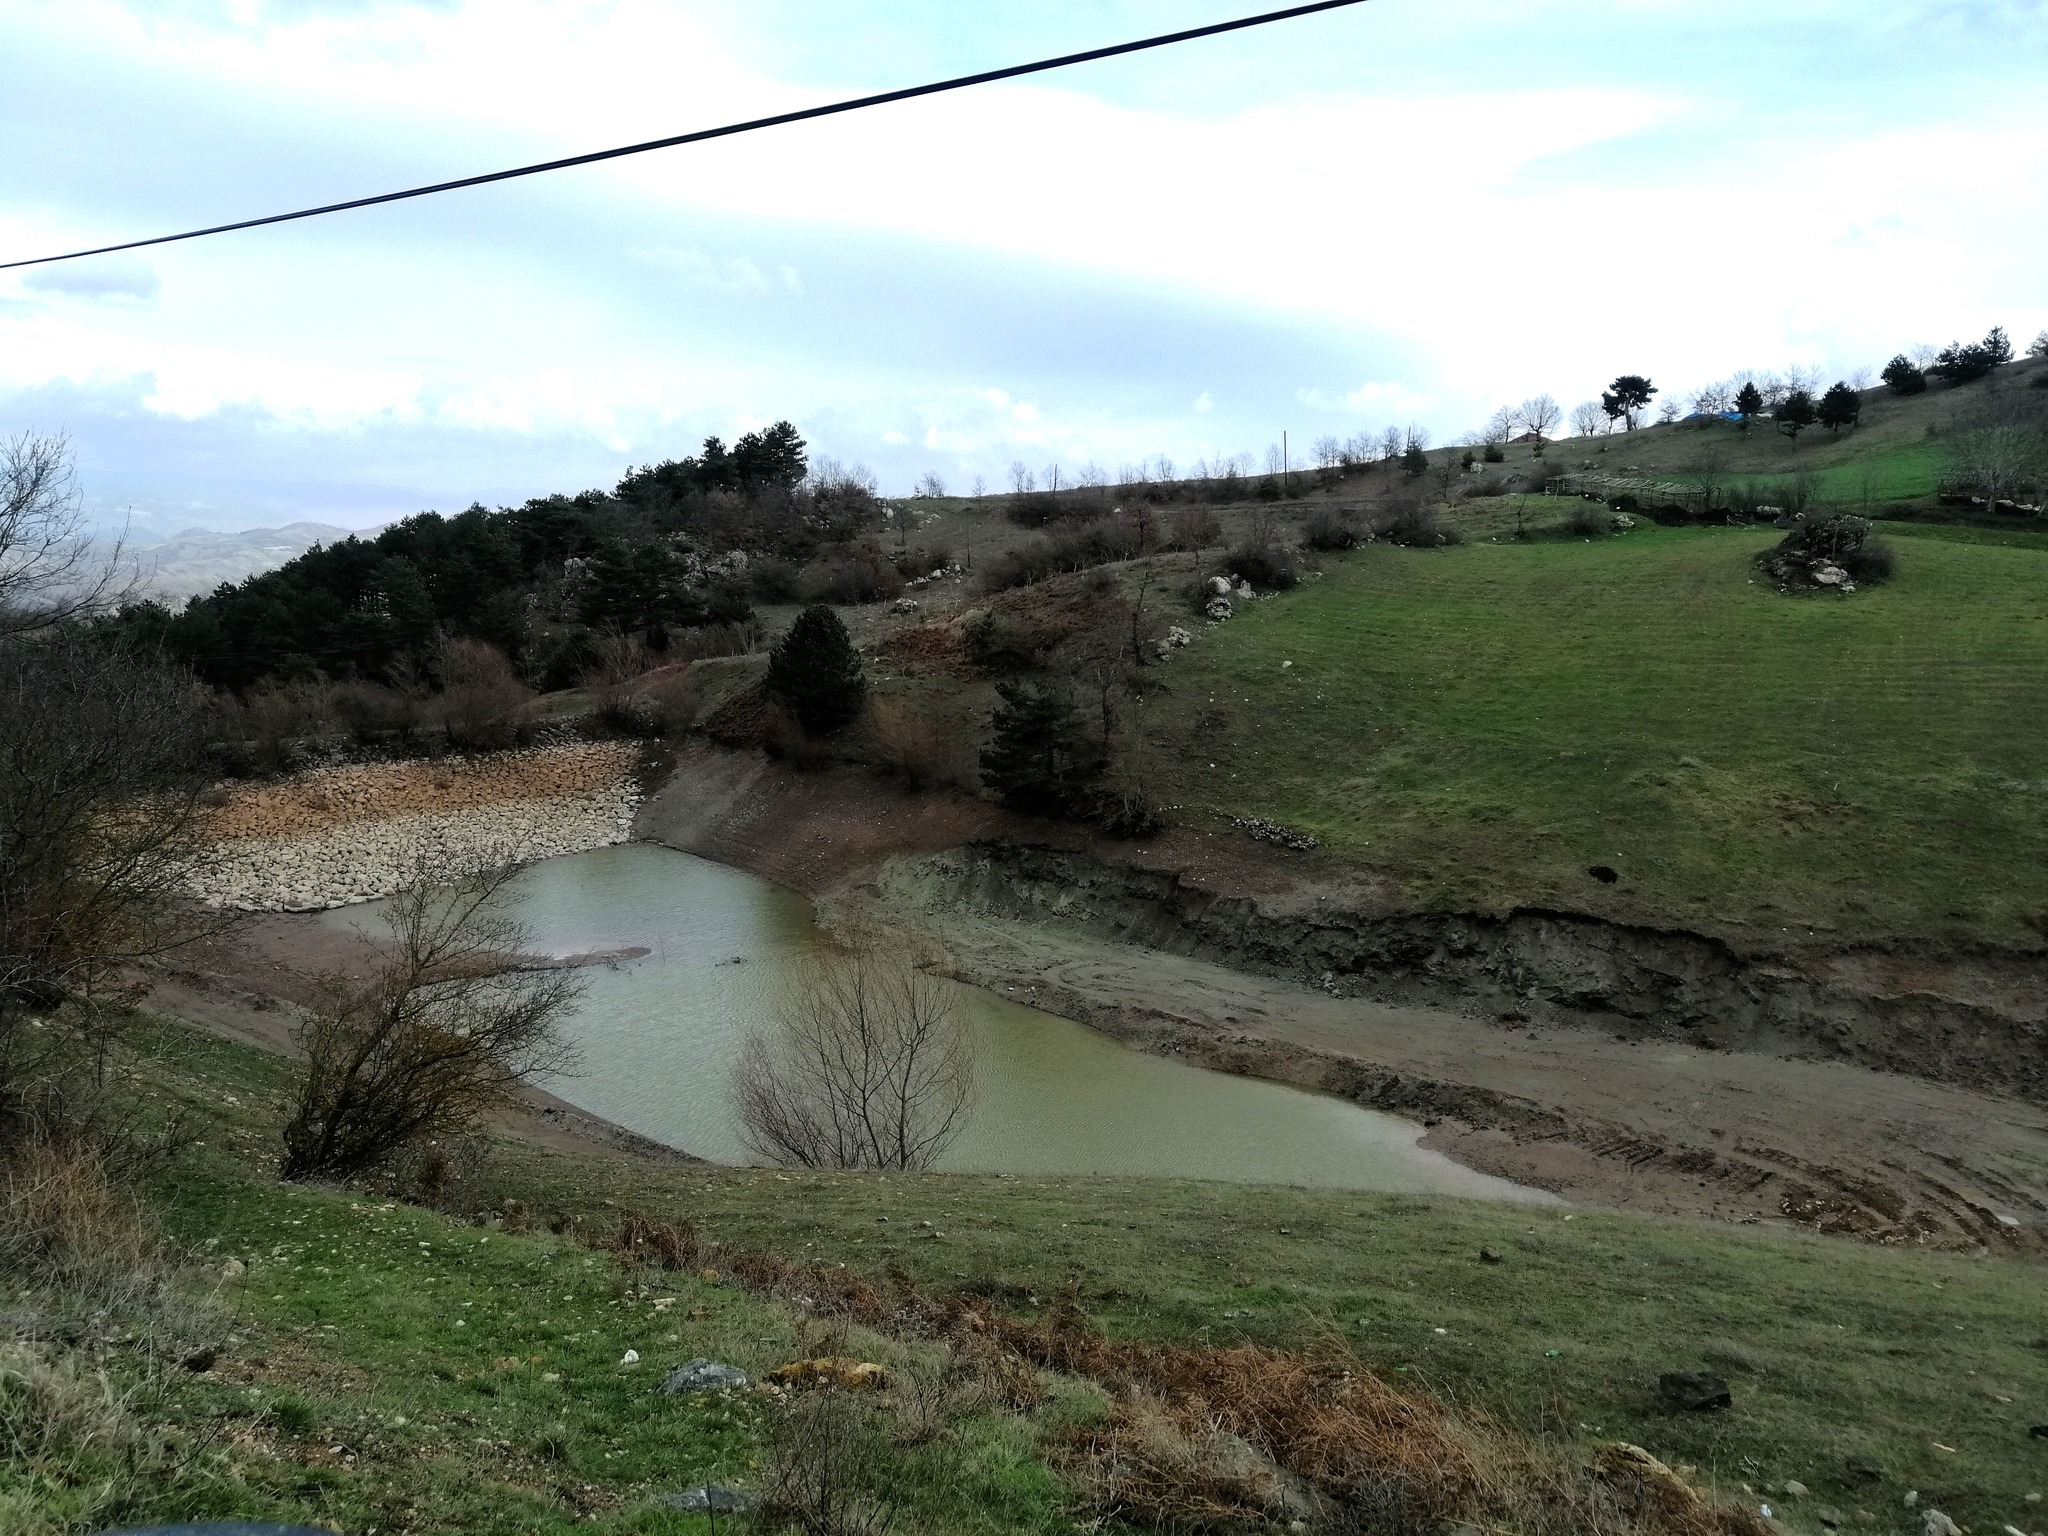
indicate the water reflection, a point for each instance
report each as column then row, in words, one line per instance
column 659, row 1037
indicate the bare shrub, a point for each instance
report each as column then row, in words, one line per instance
column 1265, row 564
column 1416, row 525
column 376, row 714
column 829, row 1468
column 446, row 1031
column 1329, row 528
column 78, row 1454
column 910, row 743
column 1194, row 528
column 860, row 574
column 1588, row 520
column 102, row 764
column 277, row 718
column 867, row 1066
column 482, row 700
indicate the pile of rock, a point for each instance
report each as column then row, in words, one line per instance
column 347, row 835
column 1816, row 556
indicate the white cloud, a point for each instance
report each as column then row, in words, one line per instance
column 114, row 279
column 701, row 273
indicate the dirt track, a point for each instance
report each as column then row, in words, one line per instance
column 1645, row 1124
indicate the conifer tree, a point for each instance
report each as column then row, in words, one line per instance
column 815, row 671
column 1903, row 378
column 1749, row 401
column 1041, row 758
column 1840, row 407
column 1796, row 414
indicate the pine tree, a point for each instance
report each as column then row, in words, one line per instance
column 1903, row 378
column 1041, row 759
column 1840, row 407
column 816, row 672
column 1414, row 461
column 1997, row 346
column 1796, row 414
column 1628, row 397
column 1749, row 401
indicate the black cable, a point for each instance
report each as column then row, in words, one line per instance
column 728, row 131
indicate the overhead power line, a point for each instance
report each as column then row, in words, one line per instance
column 832, row 109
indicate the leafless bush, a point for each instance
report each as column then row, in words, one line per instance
column 911, row 744
column 1329, row 528
column 446, row 1031
column 861, row 574
column 277, row 718
column 867, row 1066
column 376, row 714
column 102, row 763
column 1194, row 528
column 1414, row 524
column 829, row 1469
column 482, row 700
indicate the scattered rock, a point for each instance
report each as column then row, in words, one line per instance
column 1934, row 1523
column 234, row 1269
column 1865, row 1468
column 710, row 1499
column 1622, row 522
column 904, row 605
column 1810, row 557
column 1488, row 1256
column 1795, row 1489
column 201, row 1360
column 1830, row 1518
column 1218, row 609
column 1265, row 831
column 831, row 1371
column 630, row 1360
column 1219, row 586
column 702, row 1375
column 1694, row 1391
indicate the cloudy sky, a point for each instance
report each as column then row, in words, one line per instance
column 1413, row 210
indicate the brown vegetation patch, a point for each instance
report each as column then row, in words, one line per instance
column 924, row 650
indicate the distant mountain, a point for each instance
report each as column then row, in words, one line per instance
column 200, row 559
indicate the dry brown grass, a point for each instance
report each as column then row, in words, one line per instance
column 80, row 1239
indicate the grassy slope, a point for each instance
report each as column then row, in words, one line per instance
column 1485, row 722
column 392, row 1370
column 1834, row 1351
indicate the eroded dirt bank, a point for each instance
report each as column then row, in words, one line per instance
column 1654, row 1070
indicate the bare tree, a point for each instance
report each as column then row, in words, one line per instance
column 867, row 1066
column 445, row 1032
column 2002, row 450
column 1709, row 474
column 1391, row 445
column 1588, row 418
column 1499, row 428
column 930, row 486
column 102, row 763
column 1540, row 416
column 980, row 487
column 1021, row 478
column 50, row 569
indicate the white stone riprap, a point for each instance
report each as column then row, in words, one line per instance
column 319, row 840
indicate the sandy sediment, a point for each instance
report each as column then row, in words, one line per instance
column 344, row 835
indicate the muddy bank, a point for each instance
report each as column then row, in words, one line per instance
column 1602, row 1087
column 1979, row 1020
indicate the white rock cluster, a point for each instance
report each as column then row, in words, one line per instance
column 336, row 866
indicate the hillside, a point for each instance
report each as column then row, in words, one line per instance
column 379, row 1365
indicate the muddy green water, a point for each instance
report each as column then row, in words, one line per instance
column 659, row 1037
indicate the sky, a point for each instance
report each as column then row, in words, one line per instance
column 1407, row 211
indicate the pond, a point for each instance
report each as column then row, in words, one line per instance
column 659, row 1036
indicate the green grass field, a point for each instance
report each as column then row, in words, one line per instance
column 471, row 1378
column 1486, row 722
